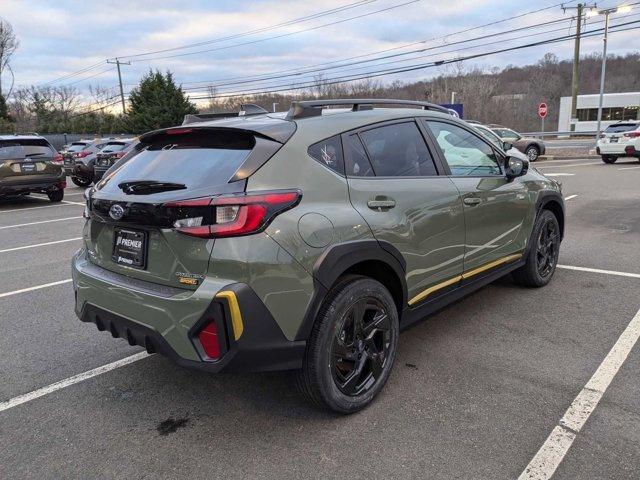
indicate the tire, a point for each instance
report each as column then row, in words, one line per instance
column 542, row 257
column 56, row 196
column 532, row 152
column 609, row 159
column 81, row 182
column 346, row 367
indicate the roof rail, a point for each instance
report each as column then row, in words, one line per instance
column 313, row 108
column 245, row 110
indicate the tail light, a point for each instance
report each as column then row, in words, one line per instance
column 82, row 154
column 209, row 340
column 57, row 159
column 230, row 216
column 632, row 134
column 120, row 154
column 629, row 150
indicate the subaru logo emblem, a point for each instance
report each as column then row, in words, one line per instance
column 116, row 211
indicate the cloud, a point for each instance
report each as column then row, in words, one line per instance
column 62, row 37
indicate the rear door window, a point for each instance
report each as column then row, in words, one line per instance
column 356, row 163
column 398, row 150
column 196, row 160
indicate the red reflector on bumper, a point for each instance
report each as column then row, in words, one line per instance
column 208, row 337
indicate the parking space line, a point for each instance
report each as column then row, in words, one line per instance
column 597, row 270
column 27, row 397
column 38, row 223
column 554, row 449
column 628, row 168
column 73, row 203
column 570, row 197
column 37, row 287
column 24, row 247
column 571, row 165
column 559, row 174
column 64, row 204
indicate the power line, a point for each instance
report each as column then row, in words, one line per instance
column 306, row 68
column 373, row 74
column 422, row 50
column 258, row 30
column 288, row 34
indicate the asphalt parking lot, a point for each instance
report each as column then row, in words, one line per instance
column 476, row 391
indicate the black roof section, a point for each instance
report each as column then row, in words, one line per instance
column 313, row 108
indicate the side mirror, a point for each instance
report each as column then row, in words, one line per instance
column 506, row 146
column 516, row 167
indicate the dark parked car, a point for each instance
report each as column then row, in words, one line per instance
column 29, row 164
column 110, row 154
column 531, row 147
column 79, row 160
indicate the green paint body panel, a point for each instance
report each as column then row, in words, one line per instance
column 437, row 234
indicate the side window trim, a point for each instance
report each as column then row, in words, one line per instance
column 441, row 153
column 347, row 152
column 440, row 170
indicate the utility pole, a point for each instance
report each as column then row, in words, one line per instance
column 576, row 59
column 118, row 63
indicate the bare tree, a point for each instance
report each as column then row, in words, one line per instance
column 8, row 44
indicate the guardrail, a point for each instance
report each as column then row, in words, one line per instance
column 560, row 134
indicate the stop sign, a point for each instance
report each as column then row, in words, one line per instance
column 542, row 110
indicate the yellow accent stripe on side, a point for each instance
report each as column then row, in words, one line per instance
column 425, row 293
column 495, row 263
column 430, row 290
column 236, row 316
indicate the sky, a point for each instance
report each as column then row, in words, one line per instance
column 60, row 38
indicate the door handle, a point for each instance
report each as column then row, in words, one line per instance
column 472, row 201
column 381, row 204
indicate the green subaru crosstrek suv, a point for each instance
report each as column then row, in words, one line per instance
column 307, row 240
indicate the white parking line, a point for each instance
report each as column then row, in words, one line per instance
column 24, row 247
column 570, row 197
column 597, row 270
column 27, row 397
column 554, row 449
column 64, row 204
column 559, row 174
column 628, row 168
column 570, row 165
column 73, row 203
column 37, row 287
column 38, row 223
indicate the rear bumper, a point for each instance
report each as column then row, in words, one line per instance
column 168, row 321
column 37, row 185
column 612, row 148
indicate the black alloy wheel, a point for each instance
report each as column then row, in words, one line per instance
column 360, row 347
column 548, row 248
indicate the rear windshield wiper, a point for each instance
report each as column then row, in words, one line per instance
column 145, row 187
column 34, row 154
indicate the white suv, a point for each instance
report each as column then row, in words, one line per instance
column 621, row 139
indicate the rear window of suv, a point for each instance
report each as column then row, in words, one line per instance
column 621, row 127
column 197, row 160
column 114, row 147
column 27, row 148
column 77, row 147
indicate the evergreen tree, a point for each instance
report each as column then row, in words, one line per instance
column 157, row 103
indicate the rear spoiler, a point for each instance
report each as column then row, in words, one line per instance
column 245, row 110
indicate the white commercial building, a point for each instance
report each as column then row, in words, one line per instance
column 615, row 107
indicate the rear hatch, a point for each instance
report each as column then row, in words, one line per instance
column 27, row 161
column 618, row 133
column 134, row 209
column 70, row 154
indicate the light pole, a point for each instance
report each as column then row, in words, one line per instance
column 606, row 13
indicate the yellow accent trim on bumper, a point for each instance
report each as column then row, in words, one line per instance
column 236, row 316
column 425, row 293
